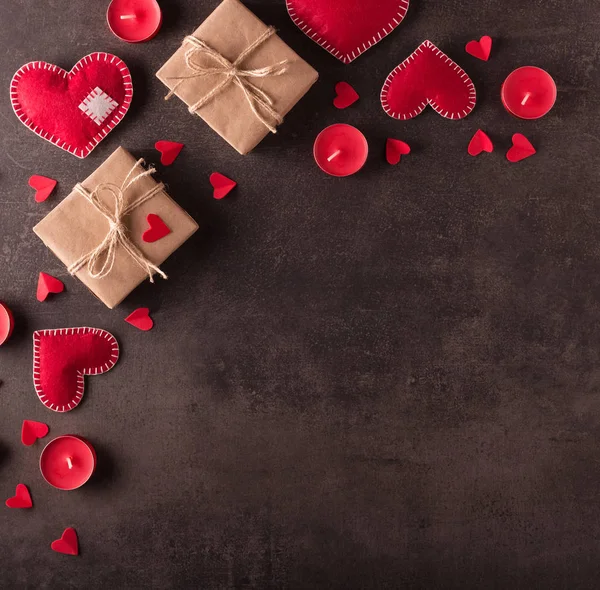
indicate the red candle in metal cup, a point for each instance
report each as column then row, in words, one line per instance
column 528, row 93
column 67, row 462
column 6, row 323
column 340, row 150
column 134, row 21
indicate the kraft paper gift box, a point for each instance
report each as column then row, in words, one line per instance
column 76, row 227
column 196, row 73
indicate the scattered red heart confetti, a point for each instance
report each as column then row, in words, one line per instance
column 480, row 49
column 480, row 142
column 31, row 431
column 43, row 187
column 48, row 284
column 394, row 149
column 169, row 150
column 520, row 149
column 67, row 544
column 345, row 95
column 157, row 228
column 21, row 499
column 140, row 318
column 221, row 184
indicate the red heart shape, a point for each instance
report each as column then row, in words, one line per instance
column 346, row 95
column 21, row 499
column 480, row 49
column 62, row 357
column 394, row 149
column 48, row 284
column 157, row 229
column 7, row 323
column 31, row 431
column 428, row 76
column 221, row 184
column 140, row 318
column 43, row 187
column 67, row 544
column 169, row 150
column 480, row 142
column 520, row 149
column 74, row 110
column 347, row 28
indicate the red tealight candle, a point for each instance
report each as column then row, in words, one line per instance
column 6, row 323
column 528, row 92
column 67, row 462
column 340, row 150
column 134, row 20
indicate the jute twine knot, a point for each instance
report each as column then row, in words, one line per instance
column 233, row 72
column 101, row 260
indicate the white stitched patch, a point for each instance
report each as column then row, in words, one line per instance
column 97, row 105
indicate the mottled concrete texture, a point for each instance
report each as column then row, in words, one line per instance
column 385, row 381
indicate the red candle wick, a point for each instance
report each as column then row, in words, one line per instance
column 334, row 155
column 69, row 462
column 526, row 98
column 127, row 16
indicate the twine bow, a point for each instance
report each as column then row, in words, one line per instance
column 233, row 72
column 101, row 260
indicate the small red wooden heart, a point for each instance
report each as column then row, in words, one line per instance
column 480, row 142
column 520, row 149
column 21, row 499
column 221, row 184
column 169, row 150
column 394, row 149
column 48, row 284
column 140, row 318
column 67, row 544
column 157, row 229
column 43, row 187
column 31, row 431
column 345, row 95
column 480, row 49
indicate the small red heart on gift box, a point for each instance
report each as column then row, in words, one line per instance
column 520, row 149
column 480, row 49
column 140, row 318
column 345, row 95
column 48, row 284
column 21, row 499
column 480, row 142
column 221, row 184
column 169, row 150
column 157, row 229
column 31, row 431
column 394, row 149
column 43, row 187
column 67, row 544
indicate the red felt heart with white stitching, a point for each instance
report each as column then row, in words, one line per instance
column 428, row 76
column 347, row 28
column 62, row 357
column 74, row 110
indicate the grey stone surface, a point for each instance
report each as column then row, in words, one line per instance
column 384, row 381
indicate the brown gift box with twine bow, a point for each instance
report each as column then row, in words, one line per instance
column 245, row 99
column 97, row 230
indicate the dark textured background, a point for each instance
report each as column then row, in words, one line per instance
column 384, row 381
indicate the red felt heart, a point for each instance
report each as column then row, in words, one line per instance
column 394, row 149
column 347, row 28
column 74, row 110
column 140, row 318
column 428, row 76
column 221, row 184
column 43, row 187
column 67, row 544
column 21, row 499
column 48, row 284
column 480, row 142
column 31, row 431
column 480, row 49
column 346, row 95
column 521, row 148
column 157, row 228
column 62, row 357
column 169, row 150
